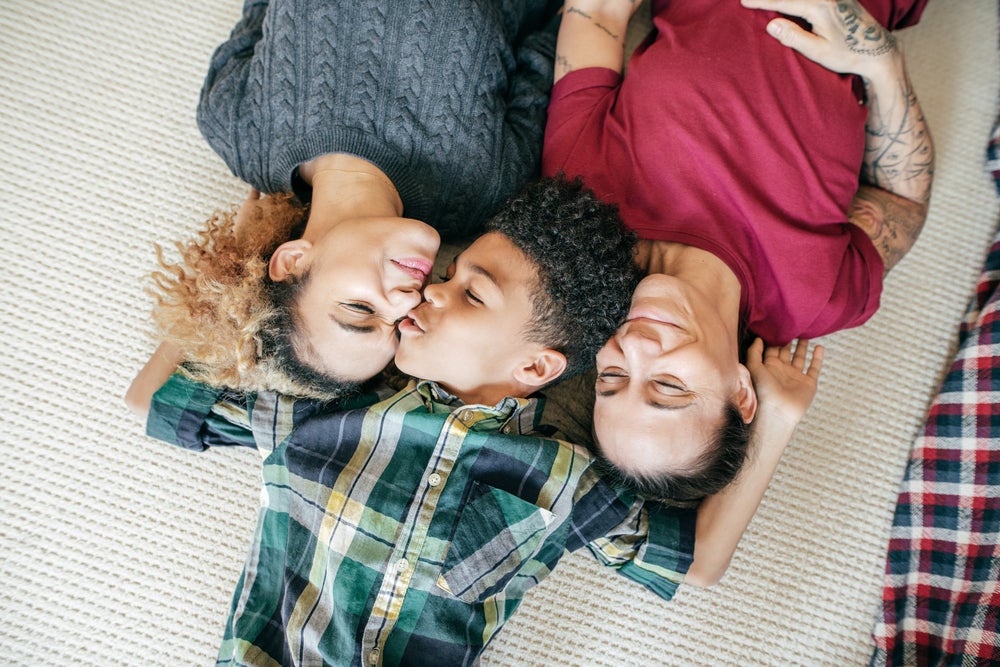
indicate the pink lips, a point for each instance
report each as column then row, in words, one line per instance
column 418, row 267
column 410, row 323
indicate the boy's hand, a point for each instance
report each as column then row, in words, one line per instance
column 845, row 38
column 785, row 383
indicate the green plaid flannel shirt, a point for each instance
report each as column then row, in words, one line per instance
column 407, row 529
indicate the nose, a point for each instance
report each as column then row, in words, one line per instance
column 636, row 342
column 402, row 300
column 434, row 294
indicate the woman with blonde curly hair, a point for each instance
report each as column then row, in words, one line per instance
column 370, row 130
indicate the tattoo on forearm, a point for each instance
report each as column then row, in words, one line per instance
column 868, row 40
column 603, row 28
column 899, row 154
column 563, row 66
column 892, row 223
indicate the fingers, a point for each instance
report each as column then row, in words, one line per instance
column 801, row 348
column 794, row 37
column 802, row 8
column 793, row 354
column 817, row 363
column 755, row 354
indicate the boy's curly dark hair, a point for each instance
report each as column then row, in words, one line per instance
column 586, row 266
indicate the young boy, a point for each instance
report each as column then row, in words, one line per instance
column 412, row 526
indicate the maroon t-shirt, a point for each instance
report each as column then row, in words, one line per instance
column 721, row 138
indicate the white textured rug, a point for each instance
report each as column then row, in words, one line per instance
column 116, row 550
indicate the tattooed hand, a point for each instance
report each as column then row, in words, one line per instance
column 845, row 38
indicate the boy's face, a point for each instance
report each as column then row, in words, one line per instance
column 468, row 334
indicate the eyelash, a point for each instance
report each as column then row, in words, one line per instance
column 361, row 308
column 473, row 297
column 671, row 386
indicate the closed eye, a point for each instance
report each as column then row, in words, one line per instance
column 668, row 385
column 472, row 297
column 358, row 307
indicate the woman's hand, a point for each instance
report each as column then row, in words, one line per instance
column 784, row 381
column 845, row 38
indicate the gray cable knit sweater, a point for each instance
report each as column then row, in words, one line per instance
column 447, row 97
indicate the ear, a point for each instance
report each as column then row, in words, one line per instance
column 541, row 368
column 746, row 397
column 287, row 259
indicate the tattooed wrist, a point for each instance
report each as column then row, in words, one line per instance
column 596, row 23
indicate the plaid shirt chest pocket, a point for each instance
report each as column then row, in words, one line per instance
column 496, row 533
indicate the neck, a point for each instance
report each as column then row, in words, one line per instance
column 345, row 187
column 488, row 395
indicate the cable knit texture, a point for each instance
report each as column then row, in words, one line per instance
column 447, row 98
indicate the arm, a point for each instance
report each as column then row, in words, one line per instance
column 652, row 546
column 892, row 201
column 785, row 385
column 167, row 357
column 161, row 365
column 196, row 416
column 592, row 34
column 221, row 104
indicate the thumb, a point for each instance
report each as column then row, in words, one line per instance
column 794, row 37
column 754, row 357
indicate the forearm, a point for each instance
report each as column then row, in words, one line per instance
column 592, row 34
column 161, row 365
column 899, row 153
column 892, row 201
column 892, row 222
column 724, row 517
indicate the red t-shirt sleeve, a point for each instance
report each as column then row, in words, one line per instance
column 857, row 295
column 579, row 100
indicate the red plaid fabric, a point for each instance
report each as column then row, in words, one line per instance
column 993, row 154
column 941, row 596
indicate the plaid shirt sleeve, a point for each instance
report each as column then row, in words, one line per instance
column 653, row 546
column 196, row 416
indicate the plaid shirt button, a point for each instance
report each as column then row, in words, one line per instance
column 373, row 657
column 401, row 565
column 434, row 479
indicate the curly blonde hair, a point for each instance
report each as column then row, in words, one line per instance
column 235, row 326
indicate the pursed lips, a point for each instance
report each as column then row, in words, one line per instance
column 415, row 267
column 410, row 323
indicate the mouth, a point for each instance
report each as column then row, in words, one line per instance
column 410, row 324
column 416, row 267
column 650, row 315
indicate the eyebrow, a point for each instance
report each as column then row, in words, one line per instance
column 476, row 268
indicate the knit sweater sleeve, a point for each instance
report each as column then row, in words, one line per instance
column 223, row 95
column 527, row 103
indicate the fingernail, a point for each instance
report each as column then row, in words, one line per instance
column 774, row 29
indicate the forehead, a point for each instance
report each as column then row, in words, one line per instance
column 643, row 440
column 496, row 257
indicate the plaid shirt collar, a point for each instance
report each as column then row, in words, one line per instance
column 515, row 416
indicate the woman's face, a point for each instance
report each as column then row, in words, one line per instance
column 365, row 275
column 664, row 378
